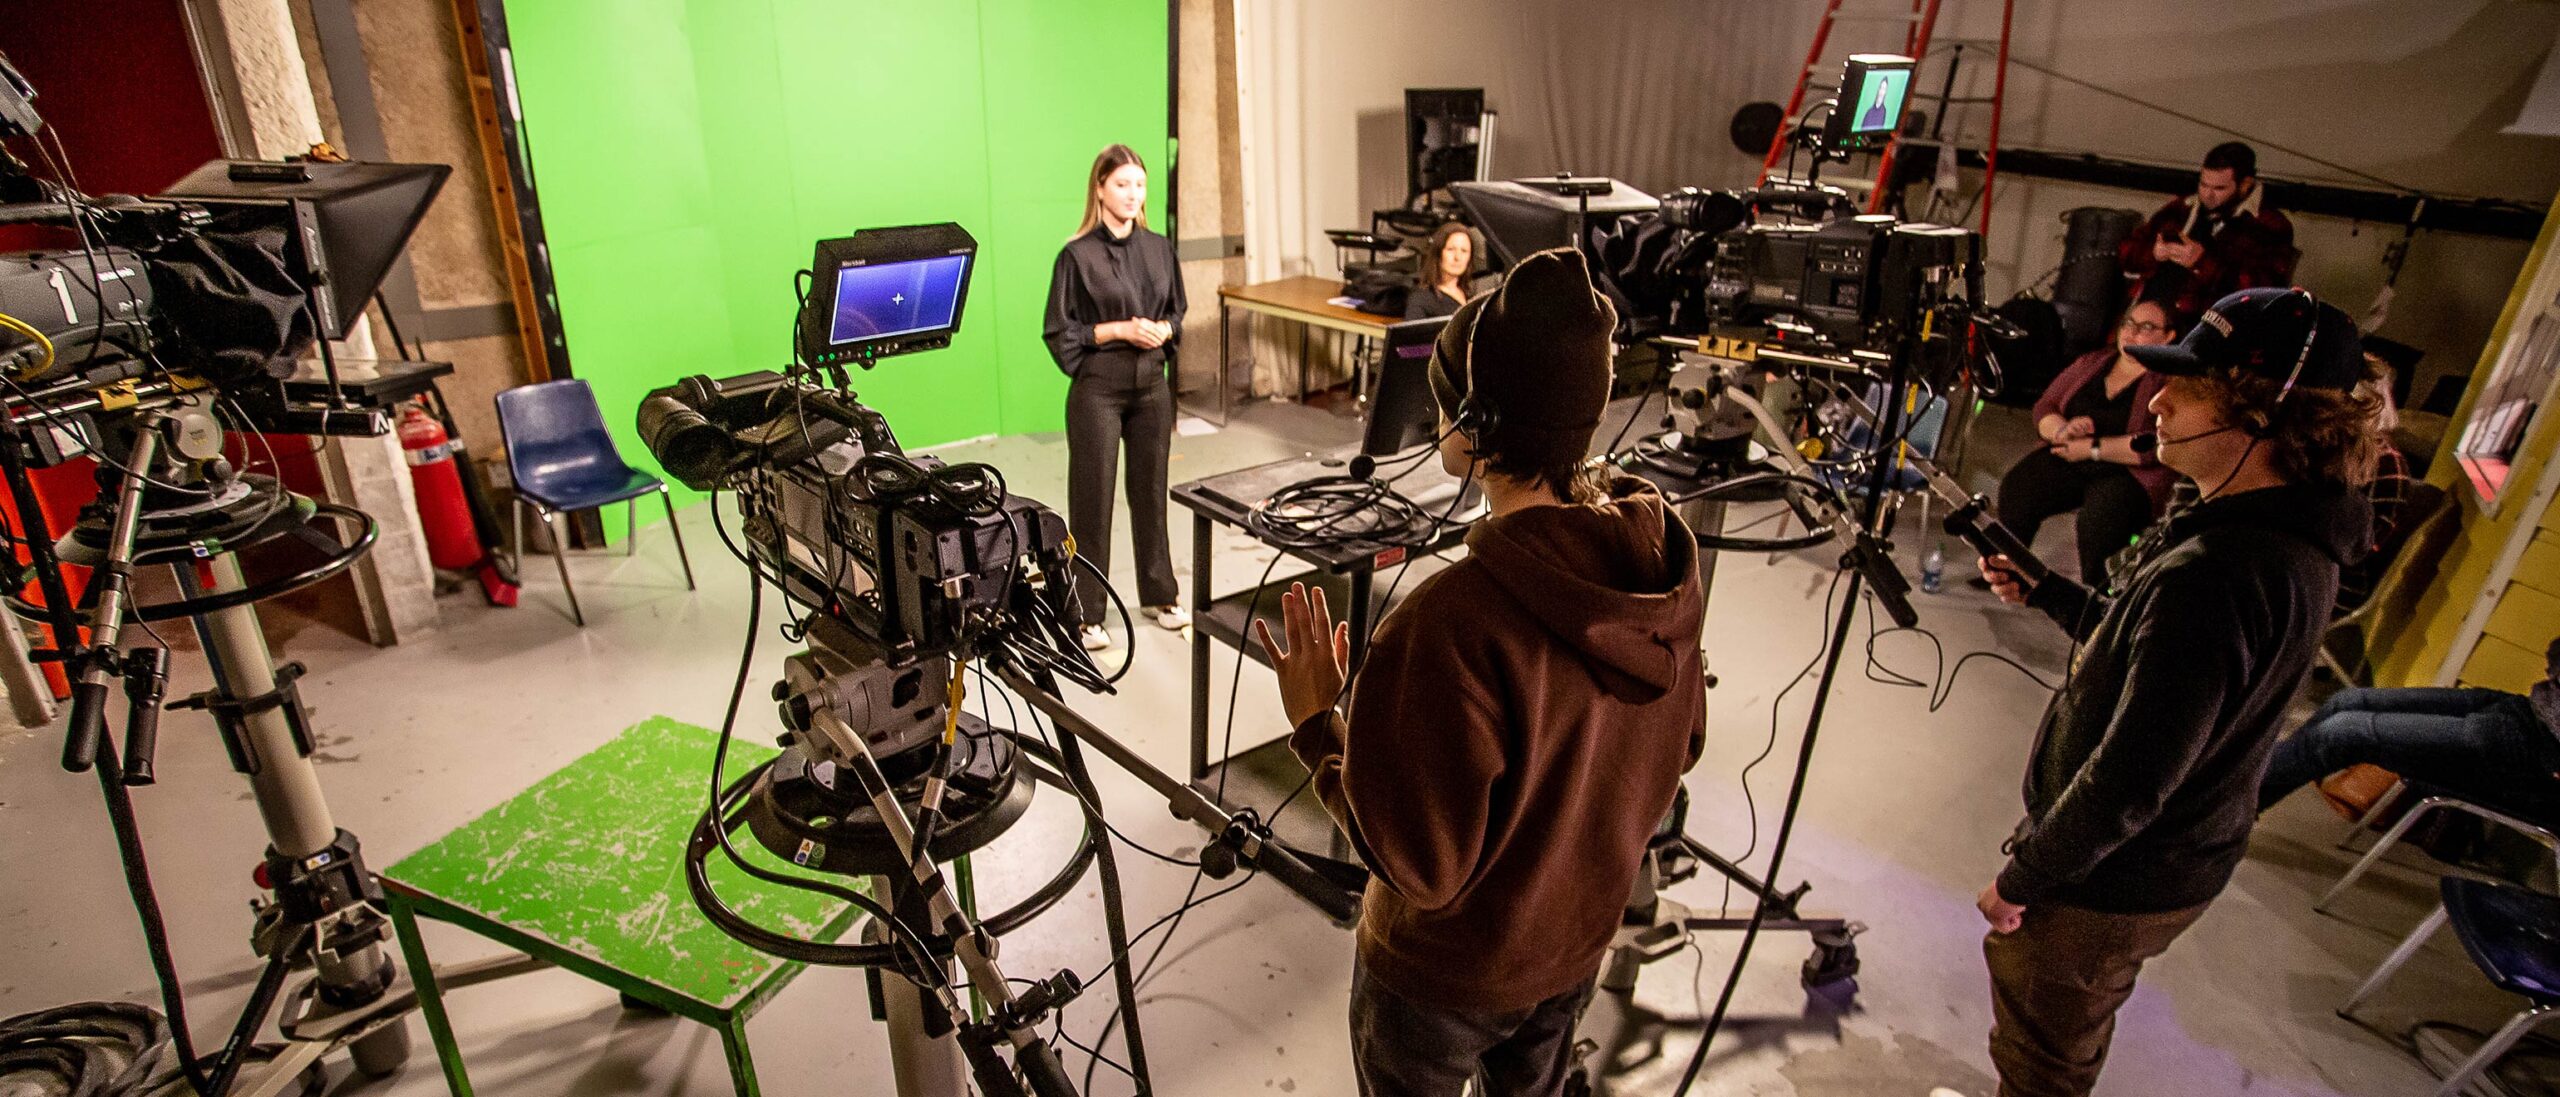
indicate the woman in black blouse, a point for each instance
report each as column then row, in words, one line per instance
column 1448, row 262
column 1115, row 315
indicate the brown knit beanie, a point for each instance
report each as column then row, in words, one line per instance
column 1535, row 354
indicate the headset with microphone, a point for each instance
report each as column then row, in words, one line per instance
column 2258, row 427
column 2149, row 441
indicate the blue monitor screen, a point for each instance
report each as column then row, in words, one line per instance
column 1880, row 98
column 885, row 300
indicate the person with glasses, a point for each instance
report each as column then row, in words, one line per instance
column 2087, row 420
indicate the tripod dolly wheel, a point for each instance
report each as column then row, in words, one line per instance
column 382, row 1052
column 1834, row 959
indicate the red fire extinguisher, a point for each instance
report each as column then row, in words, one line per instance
column 444, row 510
column 446, row 517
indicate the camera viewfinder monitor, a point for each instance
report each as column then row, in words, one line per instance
column 1874, row 87
column 883, row 292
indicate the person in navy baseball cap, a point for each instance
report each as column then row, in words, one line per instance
column 2144, row 780
column 2264, row 385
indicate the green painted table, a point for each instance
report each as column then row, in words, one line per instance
column 586, row 870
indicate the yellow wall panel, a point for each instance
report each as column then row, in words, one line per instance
column 2418, row 647
column 2526, row 618
column 2497, row 664
column 2540, row 568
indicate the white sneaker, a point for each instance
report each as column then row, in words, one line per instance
column 1172, row 618
column 1094, row 638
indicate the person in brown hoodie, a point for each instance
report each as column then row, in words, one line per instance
column 1518, row 725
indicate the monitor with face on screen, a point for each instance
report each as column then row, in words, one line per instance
column 1873, row 89
column 881, row 292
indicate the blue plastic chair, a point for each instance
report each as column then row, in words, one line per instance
column 563, row 462
column 1925, row 422
column 2512, row 935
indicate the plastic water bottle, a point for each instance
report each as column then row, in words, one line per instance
column 1933, row 568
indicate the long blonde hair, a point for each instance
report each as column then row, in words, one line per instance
column 1113, row 158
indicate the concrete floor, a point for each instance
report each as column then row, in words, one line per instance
column 1902, row 819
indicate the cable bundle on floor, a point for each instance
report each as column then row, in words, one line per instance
column 90, row 1049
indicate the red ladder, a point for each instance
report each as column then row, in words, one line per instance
column 1922, row 21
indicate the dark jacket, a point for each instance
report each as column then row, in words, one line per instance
column 2143, row 784
column 2251, row 246
column 1427, row 303
column 1099, row 279
column 2155, row 477
column 1514, row 740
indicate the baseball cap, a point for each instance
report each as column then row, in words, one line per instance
column 2270, row 332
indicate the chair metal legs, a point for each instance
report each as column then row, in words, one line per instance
column 2382, row 804
column 2491, row 1051
column 2497, row 1046
column 2548, row 839
column 2391, row 964
column 560, row 558
column 682, row 557
column 559, row 550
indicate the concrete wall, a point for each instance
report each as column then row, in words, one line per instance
column 1210, row 217
column 2410, row 90
column 413, row 67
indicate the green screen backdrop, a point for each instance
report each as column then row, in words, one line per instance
column 690, row 153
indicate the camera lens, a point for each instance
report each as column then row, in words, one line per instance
column 691, row 448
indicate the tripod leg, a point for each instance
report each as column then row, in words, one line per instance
column 287, row 789
column 924, row 1065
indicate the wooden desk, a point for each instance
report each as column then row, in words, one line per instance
column 1304, row 300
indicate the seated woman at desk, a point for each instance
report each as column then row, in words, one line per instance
column 1448, row 265
column 2086, row 421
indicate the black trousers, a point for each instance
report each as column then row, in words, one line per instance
column 2112, row 505
column 1405, row 1049
column 1103, row 413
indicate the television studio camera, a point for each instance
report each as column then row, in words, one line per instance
column 907, row 575
column 156, row 325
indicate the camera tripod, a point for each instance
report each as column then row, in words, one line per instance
column 172, row 500
column 830, row 804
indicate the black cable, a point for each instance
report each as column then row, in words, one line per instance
column 1139, row 937
column 1941, row 682
column 1115, row 927
column 1095, row 805
column 1235, row 681
column 1092, row 1056
column 1128, row 626
column 920, row 951
column 89, row 1049
column 1321, row 512
column 1751, row 806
